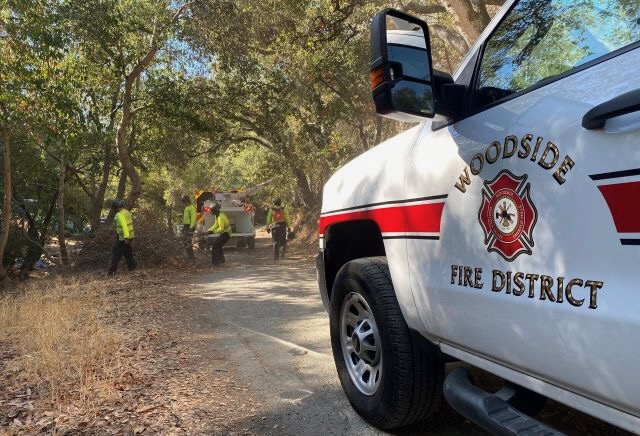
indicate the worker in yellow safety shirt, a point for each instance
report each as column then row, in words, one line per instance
column 222, row 228
column 278, row 224
column 124, row 238
column 188, row 225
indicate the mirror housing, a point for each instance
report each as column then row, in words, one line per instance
column 404, row 85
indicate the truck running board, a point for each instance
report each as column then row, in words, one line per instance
column 494, row 412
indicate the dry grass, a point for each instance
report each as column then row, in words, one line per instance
column 62, row 346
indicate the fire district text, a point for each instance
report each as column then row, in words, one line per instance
column 576, row 291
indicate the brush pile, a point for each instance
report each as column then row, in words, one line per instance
column 154, row 244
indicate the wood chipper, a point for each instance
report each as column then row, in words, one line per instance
column 237, row 207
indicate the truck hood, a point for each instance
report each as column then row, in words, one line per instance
column 373, row 177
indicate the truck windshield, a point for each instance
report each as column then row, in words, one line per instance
column 541, row 39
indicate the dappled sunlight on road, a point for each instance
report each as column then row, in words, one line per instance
column 290, row 281
column 251, row 289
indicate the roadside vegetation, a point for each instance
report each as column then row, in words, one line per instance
column 61, row 339
column 84, row 355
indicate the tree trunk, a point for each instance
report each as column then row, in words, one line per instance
column 64, row 256
column 98, row 199
column 6, row 205
column 453, row 37
column 127, row 104
column 122, row 185
column 34, row 249
column 379, row 129
column 471, row 21
column 36, row 240
column 122, row 144
column 417, row 8
column 127, row 117
column 364, row 140
column 308, row 197
column 46, row 223
column 170, row 225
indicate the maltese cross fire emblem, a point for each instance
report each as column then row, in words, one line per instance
column 507, row 215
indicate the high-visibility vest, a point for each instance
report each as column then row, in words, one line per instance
column 221, row 224
column 124, row 225
column 189, row 216
column 277, row 215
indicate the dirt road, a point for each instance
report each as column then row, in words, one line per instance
column 268, row 321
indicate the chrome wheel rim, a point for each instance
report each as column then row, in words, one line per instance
column 360, row 341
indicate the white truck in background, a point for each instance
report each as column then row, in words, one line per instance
column 502, row 231
column 233, row 204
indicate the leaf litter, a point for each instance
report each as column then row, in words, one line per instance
column 167, row 380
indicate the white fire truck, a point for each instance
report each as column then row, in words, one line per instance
column 502, row 231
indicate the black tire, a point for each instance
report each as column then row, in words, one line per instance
column 410, row 373
column 251, row 242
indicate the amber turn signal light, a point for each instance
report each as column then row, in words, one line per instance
column 377, row 77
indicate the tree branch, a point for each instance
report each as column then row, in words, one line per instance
column 178, row 13
column 3, row 108
column 420, row 9
column 258, row 140
column 141, row 108
column 90, row 194
column 451, row 36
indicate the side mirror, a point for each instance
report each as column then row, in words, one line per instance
column 401, row 69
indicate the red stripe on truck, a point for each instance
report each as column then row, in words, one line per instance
column 623, row 200
column 418, row 218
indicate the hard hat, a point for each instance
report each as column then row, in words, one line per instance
column 277, row 201
column 118, row 203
